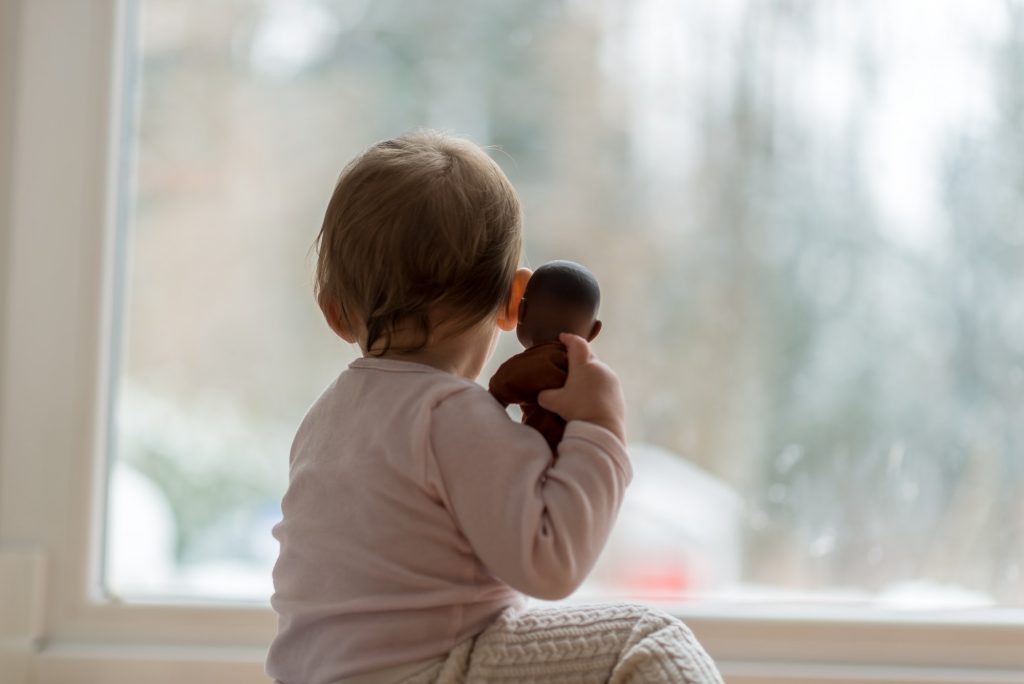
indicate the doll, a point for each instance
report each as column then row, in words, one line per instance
column 560, row 297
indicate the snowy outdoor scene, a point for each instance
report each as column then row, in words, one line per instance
column 807, row 220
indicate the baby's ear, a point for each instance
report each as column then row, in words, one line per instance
column 509, row 315
column 594, row 331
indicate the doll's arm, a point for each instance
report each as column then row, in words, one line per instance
column 523, row 376
column 504, row 385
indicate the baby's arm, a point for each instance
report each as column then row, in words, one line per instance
column 537, row 527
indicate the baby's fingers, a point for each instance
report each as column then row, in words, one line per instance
column 551, row 399
column 576, row 348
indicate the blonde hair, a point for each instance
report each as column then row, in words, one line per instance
column 417, row 222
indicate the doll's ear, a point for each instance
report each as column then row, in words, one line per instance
column 509, row 314
column 594, row 330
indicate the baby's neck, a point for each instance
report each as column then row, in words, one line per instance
column 463, row 354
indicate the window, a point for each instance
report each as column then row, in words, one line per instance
column 805, row 219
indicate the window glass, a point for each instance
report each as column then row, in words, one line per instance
column 808, row 224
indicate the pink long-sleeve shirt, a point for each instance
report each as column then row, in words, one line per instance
column 417, row 510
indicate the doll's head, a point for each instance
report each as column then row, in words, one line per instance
column 560, row 297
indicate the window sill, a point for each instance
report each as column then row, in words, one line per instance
column 118, row 664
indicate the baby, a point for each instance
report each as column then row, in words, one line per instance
column 418, row 514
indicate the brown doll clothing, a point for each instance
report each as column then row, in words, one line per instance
column 520, row 379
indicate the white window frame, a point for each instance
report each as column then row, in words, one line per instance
column 60, row 123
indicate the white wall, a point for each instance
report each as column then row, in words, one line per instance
column 13, row 661
column 8, row 56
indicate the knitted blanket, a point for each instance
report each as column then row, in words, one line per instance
column 615, row 643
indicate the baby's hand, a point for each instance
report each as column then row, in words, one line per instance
column 591, row 391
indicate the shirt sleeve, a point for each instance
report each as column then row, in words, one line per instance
column 536, row 525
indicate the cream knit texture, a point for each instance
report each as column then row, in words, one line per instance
column 614, row 643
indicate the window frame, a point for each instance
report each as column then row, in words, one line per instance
column 66, row 167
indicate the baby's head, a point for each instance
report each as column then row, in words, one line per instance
column 421, row 239
column 560, row 297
